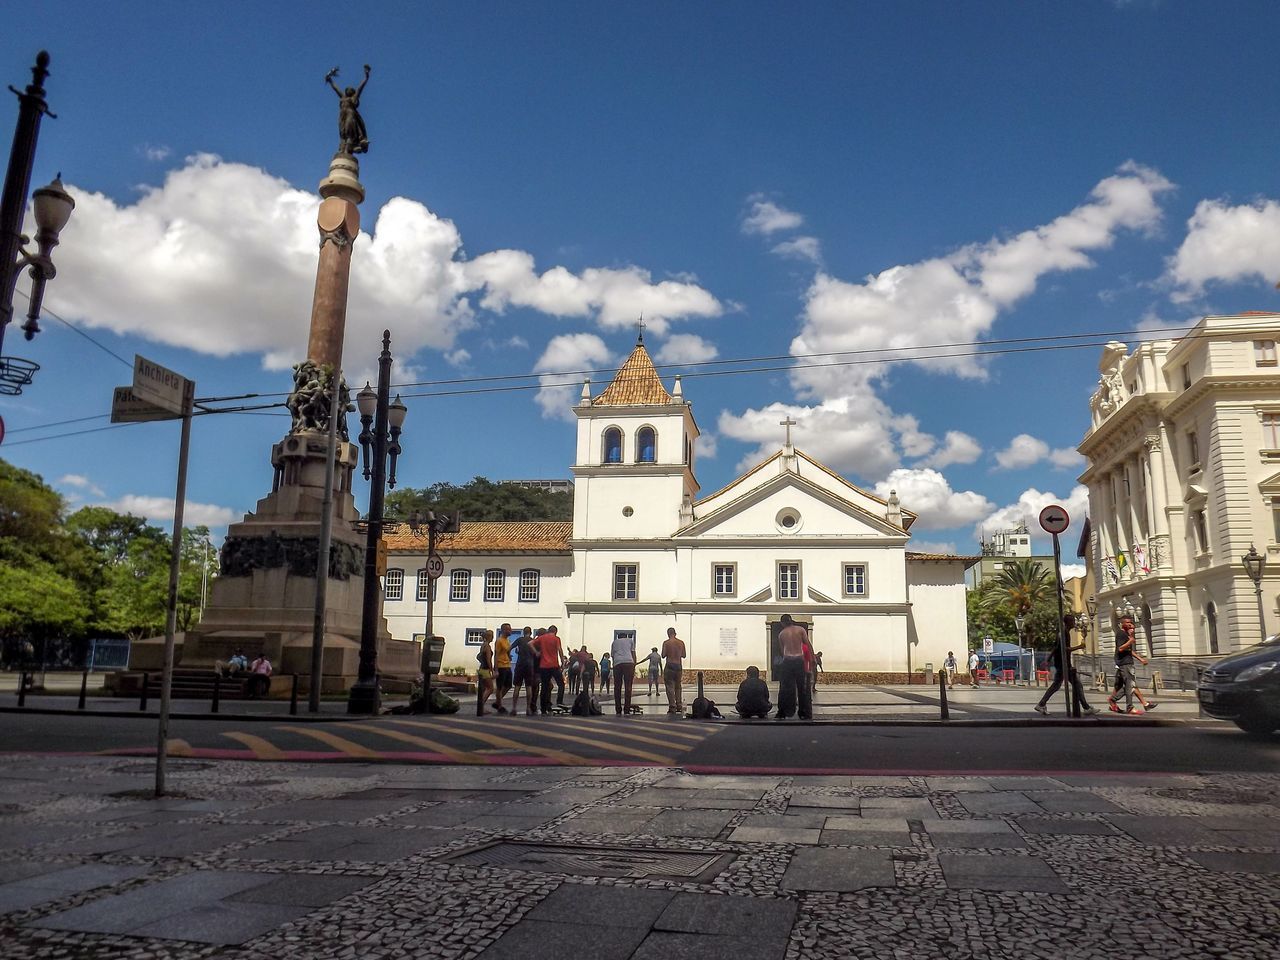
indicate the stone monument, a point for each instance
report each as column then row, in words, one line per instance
column 264, row 597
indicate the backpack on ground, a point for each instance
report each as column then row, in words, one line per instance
column 581, row 705
column 596, row 709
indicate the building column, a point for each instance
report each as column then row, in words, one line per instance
column 1160, row 547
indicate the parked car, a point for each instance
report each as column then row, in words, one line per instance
column 1245, row 688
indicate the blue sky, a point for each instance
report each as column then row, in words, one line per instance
column 759, row 179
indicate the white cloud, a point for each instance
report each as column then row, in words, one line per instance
column 949, row 299
column 1070, row 570
column 159, row 510
column 706, row 446
column 1028, row 506
column 155, row 152
column 1227, row 244
column 1025, row 451
column 766, row 217
column 1065, row 458
column 840, row 433
column 457, row 358
column 947, row 548
column 570, row 351
column 182, row 243
column 928, row 494
column 957, row 447
column 800, row 248
column 686, row 348
column 80, row 482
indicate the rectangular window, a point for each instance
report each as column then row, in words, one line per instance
column 393, row 585
column 460, row 586
column 626, row 581
column 1271, row 431
column 855, row 579
column 474, row 637
column 530, row 581
column 495, row 583
column 1202, row 531
column 1275, row 522
column 426, row 586
column 1193, row 449
column 1186, row 375
column 724, row 579
column 1264, row 353
column 788, row 581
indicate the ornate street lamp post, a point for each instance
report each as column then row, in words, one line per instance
column 1018, row 621
column 1255, row 564
column 386, row 420
column 1091, row 604
column 53, row 206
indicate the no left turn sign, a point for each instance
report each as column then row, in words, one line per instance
column 1054, row 519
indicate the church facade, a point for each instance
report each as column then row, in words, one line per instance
column 645, row 552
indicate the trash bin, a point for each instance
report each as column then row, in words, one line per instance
column 928, row 674
column 435, row 654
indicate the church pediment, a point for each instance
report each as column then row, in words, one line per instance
column 789, row 506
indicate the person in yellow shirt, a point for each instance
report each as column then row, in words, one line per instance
column 502, row 663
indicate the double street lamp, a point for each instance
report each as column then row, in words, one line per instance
column 381, row 422
column 1255, row 565
column 52, row 208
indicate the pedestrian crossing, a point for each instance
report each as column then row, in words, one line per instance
column 561, row 741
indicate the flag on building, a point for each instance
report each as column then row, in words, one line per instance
column 1140, row 558
column 1109, row 567
column 1121, row 562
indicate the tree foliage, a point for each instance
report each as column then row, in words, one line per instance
column 481, row 499
column 1022, row 588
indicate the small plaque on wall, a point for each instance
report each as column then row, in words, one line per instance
column 728, row 641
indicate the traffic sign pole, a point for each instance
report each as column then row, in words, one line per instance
column 1054, row 520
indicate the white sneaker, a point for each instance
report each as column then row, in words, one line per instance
column 1039, row 708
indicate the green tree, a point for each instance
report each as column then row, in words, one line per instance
column 481, row 499
column 1022, row 588
column 197, row 569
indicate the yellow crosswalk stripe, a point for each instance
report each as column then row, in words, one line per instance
column 457, row 756
column 262, row 749
column 597, row 743
column 666, row 728
column 349, row 747
column 568, row 759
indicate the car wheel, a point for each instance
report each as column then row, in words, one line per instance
column 1257, row 723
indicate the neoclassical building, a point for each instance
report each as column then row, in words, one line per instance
column 645, row 552
column 1184, row 476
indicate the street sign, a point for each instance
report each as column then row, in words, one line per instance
column 1053, row 519
column 435, row 566
column 160, row 386
column 988, row 645
column 127, row 408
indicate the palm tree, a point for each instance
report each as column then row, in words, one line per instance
column 1019, row 586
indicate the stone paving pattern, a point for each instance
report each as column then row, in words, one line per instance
column 259, row 860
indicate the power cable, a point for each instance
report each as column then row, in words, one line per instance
column 45, row 311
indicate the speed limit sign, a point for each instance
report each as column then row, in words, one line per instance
column 435, row 566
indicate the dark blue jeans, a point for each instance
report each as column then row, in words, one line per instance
column 793, row 684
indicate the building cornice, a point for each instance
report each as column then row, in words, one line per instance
column 1222, row 383
column 796, row 608
column 1137, row 413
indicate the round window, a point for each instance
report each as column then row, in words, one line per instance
column 627, row 511
column 788, row 520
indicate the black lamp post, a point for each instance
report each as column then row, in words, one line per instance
column 1018, row 621
column 386, row 420
column 1255, row 565
column 53, row 206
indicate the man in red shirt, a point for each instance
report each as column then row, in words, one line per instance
column 673, row 676
column 549, row 651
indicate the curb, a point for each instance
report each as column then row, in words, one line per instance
column 176, row 715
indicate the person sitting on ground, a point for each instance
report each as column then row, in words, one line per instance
column 238, row 663
column 753, row 696
column 260, row 677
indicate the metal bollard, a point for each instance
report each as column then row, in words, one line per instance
column 22, row 688
column 217, row 692
column 84, row 688
column 942, row 695
column 146, row 689
column 293, row 698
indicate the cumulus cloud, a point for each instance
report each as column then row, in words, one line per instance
column 155, row 152
column 765, row 217
column 1227, row 244
column 159, row 510
column 928, row 494
column 458, row 358
column 568, row 352
column 1070, row 570
column 957, row 447
column 80, row 482
column 686, row 348
column 1028, row 506
column 954, row 298
column 947, row 547
column 800, row 248
column 840, row 433
column 706, row 446
column 1025, row 451
column 183, row 243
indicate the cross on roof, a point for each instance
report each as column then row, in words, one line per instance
column 788, row 423
column 640, row 330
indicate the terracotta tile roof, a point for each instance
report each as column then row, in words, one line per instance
column 483, row 536
column 636, row 382
column 942, row 558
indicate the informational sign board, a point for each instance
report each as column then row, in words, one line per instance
column 160, row 386
column 1054, row 519
column 728, row 641
column 435, row 566
column 127, row 408
column 988, row 645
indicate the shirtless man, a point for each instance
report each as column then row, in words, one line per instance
column 792, row 681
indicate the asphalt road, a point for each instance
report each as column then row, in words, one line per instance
column 761, row 747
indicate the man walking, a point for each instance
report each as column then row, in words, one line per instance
column 502, row 664
column 654, row 661
column 1126, row 679
column 791, row 675
column 952, row 669
column 1069, row 621
column 673, row 675
column 549, row 652
column 973, row 668
column 623, row 653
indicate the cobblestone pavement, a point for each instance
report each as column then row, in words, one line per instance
column 274, row 860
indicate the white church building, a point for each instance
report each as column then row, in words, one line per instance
column 644, row 552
